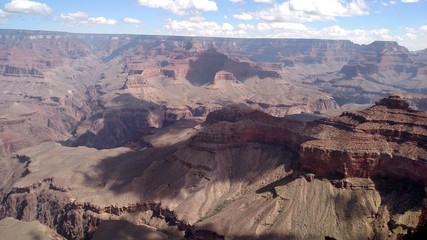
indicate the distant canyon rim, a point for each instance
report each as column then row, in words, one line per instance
column 168, row 137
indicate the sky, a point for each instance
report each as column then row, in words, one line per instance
column 360, row 21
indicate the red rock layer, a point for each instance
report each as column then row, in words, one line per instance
column 388, row 139
column 238, row 125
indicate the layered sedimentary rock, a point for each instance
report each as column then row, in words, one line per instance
column 239, row 125
column 388, row 139
column 11, row 71
column 277, row 76
column 37, row 121
column 223, row 75
column 374, row 71
column 242, row 174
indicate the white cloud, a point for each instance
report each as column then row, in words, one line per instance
column 179, row 6
column 197, row 19
column 243, row 26
column 243, row 16
column 281, row 26
column 393, row 2
column 329, row 8
column 200, row 27
column 409, row 1
column 82, row 18
column 264, row 1
column 236, row 1
column 28, row 7
column 298, row 30
column 410, row 30
column 294, row 28
column 360, row 36
column 101, row 21
column 410, row 36
column 73, row 18
column 132, row 20
column 3, row 14
column 308, row 11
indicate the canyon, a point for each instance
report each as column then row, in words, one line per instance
column 96, row 85
column 170, row 137
column 282, row 176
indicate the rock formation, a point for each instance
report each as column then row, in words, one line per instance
column 243, row 174
column 277, row 76
column 223, row 75
column 388, row 139
column 379, row 65
column 247, row 172
column 11, row 71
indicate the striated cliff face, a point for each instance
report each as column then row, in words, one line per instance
column 374, row 71
column 388, row 139
column 223, row 75
column 381, row 57
column 238, row 125
column 384, row 142
column 11, row 71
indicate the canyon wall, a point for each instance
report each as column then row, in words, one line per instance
column 388, row 139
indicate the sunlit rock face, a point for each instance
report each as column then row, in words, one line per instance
column 388, row 139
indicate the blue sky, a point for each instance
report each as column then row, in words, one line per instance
column 360, row 21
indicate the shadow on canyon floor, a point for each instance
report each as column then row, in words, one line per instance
column 280, row 237
column 162, row 172
column 203, row 70
column 122, row 229
column 270, row 187
column 36, row 235
column 400, row 196
column 119, row 124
